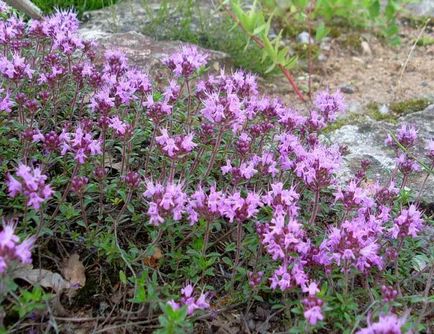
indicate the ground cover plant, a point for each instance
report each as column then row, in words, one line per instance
column 160, row 206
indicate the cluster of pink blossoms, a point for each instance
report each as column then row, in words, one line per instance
column 406, row 136
column 177, row 145
column 164, row 201
column 31, row 183
column 11, row 249
column 204, row 205
column 387, row 324
column 186, row 62
column 264, row 141
column 354, row 243
column 408, row 223
column 189, row 300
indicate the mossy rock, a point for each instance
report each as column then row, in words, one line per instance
column 409, row 106
column 372, row 110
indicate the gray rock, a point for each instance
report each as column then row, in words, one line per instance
column 366, row 49
column 365, row 140
column 119, row 26
column 347, row 89
column 422, row 8
column 134, row 15
column 146, row 53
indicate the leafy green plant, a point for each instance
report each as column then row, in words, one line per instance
column 186, row 21
column 80, row 6
column 325, row 14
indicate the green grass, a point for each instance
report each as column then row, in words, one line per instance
column 184, row 20
column 47, row 6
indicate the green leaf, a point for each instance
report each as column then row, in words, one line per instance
column 122, row 277
column 420, row 262
column 321, row 32
column 374, row 9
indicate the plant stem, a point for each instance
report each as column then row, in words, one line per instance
column 214, row 152
column 315, row 208
column 238, row 247
column 65, row 193
column 401, row 241
column 261, row 45
column 206, row 237
column 83, row 213
column 422, row 187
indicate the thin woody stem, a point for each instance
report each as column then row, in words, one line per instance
column 261, row 45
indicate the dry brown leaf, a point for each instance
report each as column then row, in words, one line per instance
column 152, row 261
column 74, row 271
column 45, row 278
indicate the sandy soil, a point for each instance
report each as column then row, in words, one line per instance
column 374, row 76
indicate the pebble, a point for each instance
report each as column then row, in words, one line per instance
column 322, row 57
column 384, row 109
column 347, row 89
column 304, row 38
column 366, row 49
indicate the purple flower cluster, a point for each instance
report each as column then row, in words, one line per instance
column 176, row 146
column 408, row 223
column 189, row 300
column 215, row 150
column 387, row 324
column 11, row 250
column 31, row 183
column 164, row 201
column 186, row 62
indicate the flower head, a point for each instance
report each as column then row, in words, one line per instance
column 31, row 183
column 11, row 250
column 186, row 62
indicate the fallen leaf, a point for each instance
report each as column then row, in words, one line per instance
column 74, row 271
column 43, row 277
column 152, row 261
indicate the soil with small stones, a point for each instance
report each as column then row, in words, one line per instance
column 369, row 77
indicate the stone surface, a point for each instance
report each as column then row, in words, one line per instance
column 118, row 27
column 146, row 53
column 422, row 8
column 132, row 15
column 365, row 140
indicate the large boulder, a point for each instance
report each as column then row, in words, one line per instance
column 118, row 27
column 365, row 140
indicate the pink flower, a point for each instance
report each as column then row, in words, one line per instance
column 164, row 201
column 121, row 128
column 313, row 315
column 16, row 69
column 189, row 299
column 387, row 324
column 408, row 223
column 80, row 143
column 102, row 101
column 11, row 249
column 281, row 279
column 236, row 207
column 354, row 244
column 177, row 145
column 5, row 102
column 30, row 183
column 205, row 205
column 406, row 135
column 186, row 62
column 157, row 110
column 329, row 105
